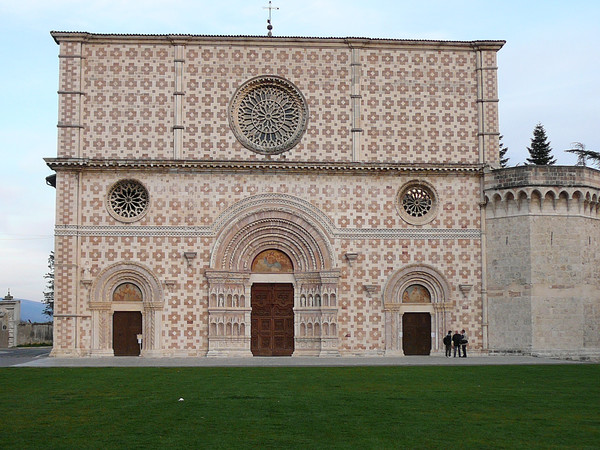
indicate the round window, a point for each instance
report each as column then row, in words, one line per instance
column 268, row 115
column 128, row 201
column 417, row 203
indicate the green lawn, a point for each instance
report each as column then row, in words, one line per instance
column 343, row 407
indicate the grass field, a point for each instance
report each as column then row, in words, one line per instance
column 342, row 407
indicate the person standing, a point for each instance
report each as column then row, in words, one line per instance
column 448, row 343
column 456, row 339
column 464, row 340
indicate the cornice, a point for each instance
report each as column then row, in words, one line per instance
column 274, row 41
column 171, row 165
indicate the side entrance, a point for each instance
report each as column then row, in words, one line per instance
column 126, row 326
column 416, row 333
column 272, row 319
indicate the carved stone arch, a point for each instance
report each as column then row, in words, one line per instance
column 596, row 205
column 587, row 202
column 394, row 308
column 287, row 225
column 549, row 200
column 433, row 280
column 113, row 276
column 103, row 307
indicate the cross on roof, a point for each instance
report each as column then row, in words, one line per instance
column 270, row 8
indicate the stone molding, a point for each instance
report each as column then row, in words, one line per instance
column 341, row 167
column 338, row 233
column 429, row 190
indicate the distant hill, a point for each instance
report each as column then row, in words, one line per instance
column 33, row 311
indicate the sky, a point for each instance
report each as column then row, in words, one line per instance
column 549, row 73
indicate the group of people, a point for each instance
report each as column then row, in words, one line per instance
column 459, row 341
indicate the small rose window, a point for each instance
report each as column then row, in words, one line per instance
column 417, row 203
column 128, row 201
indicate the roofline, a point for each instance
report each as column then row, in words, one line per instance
column 82, row 36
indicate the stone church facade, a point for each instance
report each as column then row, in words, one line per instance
column 240, row 196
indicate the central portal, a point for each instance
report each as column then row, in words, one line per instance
column 272, row 318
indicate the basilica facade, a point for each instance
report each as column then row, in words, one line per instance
column 263, row 196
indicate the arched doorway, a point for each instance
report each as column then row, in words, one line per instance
column 276, row 245
column 127, row 300
column 416, row 299
column 272, row 316
column 127, row 325
column 416, row 326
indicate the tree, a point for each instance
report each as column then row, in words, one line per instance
column 584, row 154
column 540, row 151
column 49, row 292
column 503, row 150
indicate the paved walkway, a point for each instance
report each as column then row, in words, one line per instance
column 126, row 361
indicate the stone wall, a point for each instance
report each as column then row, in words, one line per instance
column 542, row 260
column 34, row 333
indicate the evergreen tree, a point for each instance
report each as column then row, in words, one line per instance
column 49, row 292
column 540, row 151
column 503, row 150
column 583, row 154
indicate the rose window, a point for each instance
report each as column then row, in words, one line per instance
column 128, row 200
column 417, row 202
column 268, row 115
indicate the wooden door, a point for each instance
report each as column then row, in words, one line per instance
column 416, row 333
column 272, row 318
column 126, row 326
